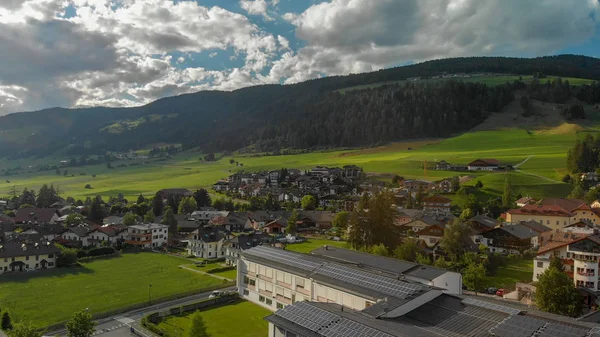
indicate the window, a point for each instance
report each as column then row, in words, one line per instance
column 252, row 282
column 432, row 240
column 246, row 292
column 568, row 255
column 540, row 264
column 37, row 257
column 261, row 298
column 27, row 258
column 209, row 253
column 557, row 222
column 299, row 282
column 279, row 305
column 547, row 222
column 246, row 279
column 269, row 301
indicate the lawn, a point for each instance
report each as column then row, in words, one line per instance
column 312, row 244
column 540, row 175
column 507, row 276
column 230, row 274
column 242, row 319
column 52, row 296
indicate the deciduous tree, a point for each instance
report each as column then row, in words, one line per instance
column 198, row 328
column 80, row 325
column 24, row 329
column 149, row 217
column 454, row 237
column 129, row 219
column 556, row 293
column 309, row 203
column 187, row 205
column 408, row 250
column 474, row 276
column 291, row 222
column 340, row 220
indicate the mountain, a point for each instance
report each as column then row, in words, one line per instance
column 310, row 114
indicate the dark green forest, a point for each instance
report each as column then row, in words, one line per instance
column 306, row 115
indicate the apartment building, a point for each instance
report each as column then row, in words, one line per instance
column 148, row 235
column 275, row 278
column 580, row 254
column 207, row 243
column 25, row 253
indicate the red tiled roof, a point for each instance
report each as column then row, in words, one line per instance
column 553, row 240
column 485, row 162
column 546, row 210
column 567, row 205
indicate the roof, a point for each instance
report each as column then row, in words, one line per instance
column 113, row 219
column 519, row 231
column 318, row 216
column 248, row 241
column 34, row 214
column 553, row 240
column 79, row 231
column 26, row 248
column 485, row 220
column 484, row 162
column 382, row 263
column 335, row 274
column 543, row 210
column 110, row 230
column 6, row 219
column 536, row 226
column 209, row 234
column 149, row 226
column 566, row 204
column 436, row 199
column 524, row 200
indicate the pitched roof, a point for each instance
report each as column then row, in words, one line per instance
column 566, row 204
column 436, row 199
column 485, row 220
column 79, row 231
column 209, row 234
column 520, row 231
column 6, row 219
column 524, row 200
column 545, row 210
column 553, row 240
column 34, row 214
column 318, row 216
column 26, row 248
column 484, row 162
column 536, row 226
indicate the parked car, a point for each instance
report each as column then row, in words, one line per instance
column 500, row 292
column 215, row 294
column 491, row 290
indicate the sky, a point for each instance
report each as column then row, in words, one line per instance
column 81, row 53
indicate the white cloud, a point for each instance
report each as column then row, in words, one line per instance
column 346, row 36
column 257, row 7
column 180, row 59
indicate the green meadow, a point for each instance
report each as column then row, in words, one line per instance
column 545, row 152
column 102, row 285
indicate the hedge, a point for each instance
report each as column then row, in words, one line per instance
column 220, row 269
column 101, row 251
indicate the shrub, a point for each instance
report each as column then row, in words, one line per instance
column 148, row 324
column 220, row 269
column 81, row 253
column 88, row 186
column 101, row 251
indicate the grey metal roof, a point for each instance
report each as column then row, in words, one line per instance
column 485, row 220
column 387, row 264
column 425, row 272
column 520, row 231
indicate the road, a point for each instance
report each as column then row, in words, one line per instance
column 523, row 162
column 120, row 325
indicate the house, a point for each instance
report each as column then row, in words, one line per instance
column 19, row 254
column 483, row 165
column 445, row 186
column 511, row 238
column 483, row 223
column 207, row 243
column 206, row 216
column 49, row 231
column 579, row 252
column 36, row 215
column 77, row 236
column 316, row 219
column 232, row 222
column 432, row 234
column 109, row 234
column 415, row 185
column 147, row 235
column 276, row 278
column 436, row 203
column 525, row 201
column 5, row 219
column 553, row 216
column 595, row 204
column 239, row 243
column 352, row 172
column 443, row 165
column 3, row 205
column 183, row 192
column 113, row 220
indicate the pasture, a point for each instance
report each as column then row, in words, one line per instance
column 102, row 285
column 540, row 175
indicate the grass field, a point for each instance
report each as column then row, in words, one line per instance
column 312, row 244
column 52, row 296
column 507, row 276
column 539, row 176
column 248, row 319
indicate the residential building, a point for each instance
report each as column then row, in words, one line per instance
column 239, row 243
column 443, row 165
column 445, row 186
column 232, row 222
column 436, row 203
column 484, row 165
column 220, row 186
column 275, row 278
column 207, row 243
column 24, row 253
column 525, row 201
column 512, row 238
column 76, row 236
column 109, row 234
column 183, row 192
column 36, row 215
column 553, row 216
column 579, row 251
column 432, row 234
column 147, row 235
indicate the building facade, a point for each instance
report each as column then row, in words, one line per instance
column 148, row 235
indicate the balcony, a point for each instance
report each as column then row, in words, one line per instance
column 139, row 243
column 584, row 273
column 586, row 258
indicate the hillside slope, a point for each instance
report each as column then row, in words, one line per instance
column 304, row 115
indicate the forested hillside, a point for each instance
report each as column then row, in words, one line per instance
column 305, row 115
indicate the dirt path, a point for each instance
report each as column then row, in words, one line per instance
column 523, row 162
